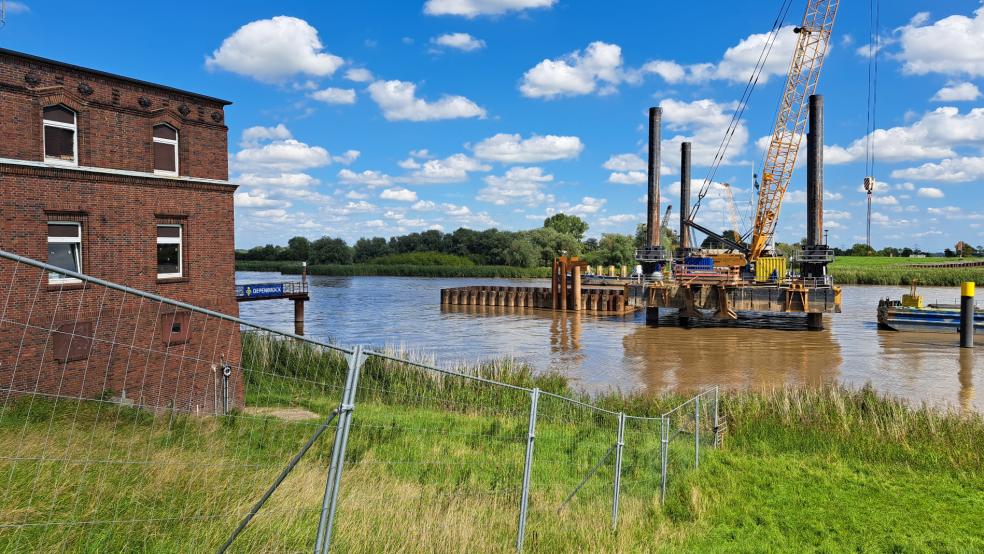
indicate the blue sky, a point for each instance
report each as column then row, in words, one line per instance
column 378, row 118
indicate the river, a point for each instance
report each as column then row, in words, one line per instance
column 623, row 353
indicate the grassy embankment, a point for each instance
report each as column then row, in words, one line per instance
column 435, row 465
column 880, row 270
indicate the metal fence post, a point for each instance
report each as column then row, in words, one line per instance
column 717, row 420
column 696, row 431
column 330, row 501
column 664, row 428
column 524, row 502
column 619, row 443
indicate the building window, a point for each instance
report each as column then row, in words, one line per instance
column 169, row 254
column 64, row 249
column 60, row 135
column 165, row 150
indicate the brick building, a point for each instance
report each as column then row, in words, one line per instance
column 126, row 181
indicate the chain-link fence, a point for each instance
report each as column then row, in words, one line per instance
column 129, row 421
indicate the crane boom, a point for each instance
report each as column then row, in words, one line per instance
column 791, row 118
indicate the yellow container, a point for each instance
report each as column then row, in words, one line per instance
column 764, row 267
column 912, row 301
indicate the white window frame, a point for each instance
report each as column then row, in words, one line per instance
column 74, row 127
column 52, row 276
column 172, row 240
column 173, row 143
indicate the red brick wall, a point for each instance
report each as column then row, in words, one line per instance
column 119, row 214
column 114, row 128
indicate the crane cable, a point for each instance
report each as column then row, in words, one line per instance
column 753, row 80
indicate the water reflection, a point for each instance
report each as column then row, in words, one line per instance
column 966, row 377
column 687, row 359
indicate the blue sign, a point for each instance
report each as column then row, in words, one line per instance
column 260, row 290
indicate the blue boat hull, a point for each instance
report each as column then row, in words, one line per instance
column 938, row 320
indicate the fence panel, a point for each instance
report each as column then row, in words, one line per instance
column 128, row 422
column 573, row 475
column 688, row 431
column 434, row 460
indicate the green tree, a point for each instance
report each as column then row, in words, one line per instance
column 567, row 224
column 327, row 250
column 552, row 243
column 521, row 253
column 298, row 249
column 368, row 249
column 861, row 249
column 614, row 249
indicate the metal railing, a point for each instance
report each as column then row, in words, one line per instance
column 132, row 419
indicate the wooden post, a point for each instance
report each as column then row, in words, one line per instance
column 576, row 287
column 445, row 296
column 299, row 317
column 562, row 292
column 553, row 286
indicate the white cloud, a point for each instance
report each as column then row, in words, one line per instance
column 625, row 162
column 271, row 50
column 459, row 41
column 292, row 180
column 257, row 200
column 254, row 135
column 399, row 194
column 953, row 45
column 356, row 195
column 332, row 95
column 951, row 170
column 359, row 75
column 736, row 64
column 887, row 200
column 619, row 220
column 701, row 122
column 934, row 135
column 518, row 185
column 475, row 8
column 959, row 92
column 576, row 73
column 930, row 192
column 288, row 155
column 628, row 177
column 348, row 157
column 367, row 178
column 508, row 148
column 587, row 206
column 399, row 102
column 453, row 169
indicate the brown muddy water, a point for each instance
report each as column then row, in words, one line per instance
column 623, row 353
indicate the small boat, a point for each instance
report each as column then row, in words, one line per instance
column 909, row 314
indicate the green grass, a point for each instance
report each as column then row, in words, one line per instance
column 399, row 270
column 880, row 270
column 423, row 258
column 435, row 463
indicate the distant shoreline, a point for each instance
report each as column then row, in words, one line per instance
column 847, row 270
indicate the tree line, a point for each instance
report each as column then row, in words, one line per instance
column 560, row 235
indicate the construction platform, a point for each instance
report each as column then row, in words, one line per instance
column 729, row 303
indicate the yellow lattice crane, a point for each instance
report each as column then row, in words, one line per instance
column 791, row 118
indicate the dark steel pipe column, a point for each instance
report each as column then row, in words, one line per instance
column 684, row 195
column 814, row 173
column 652, row 222
column 814, row 197
column 967, row 315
